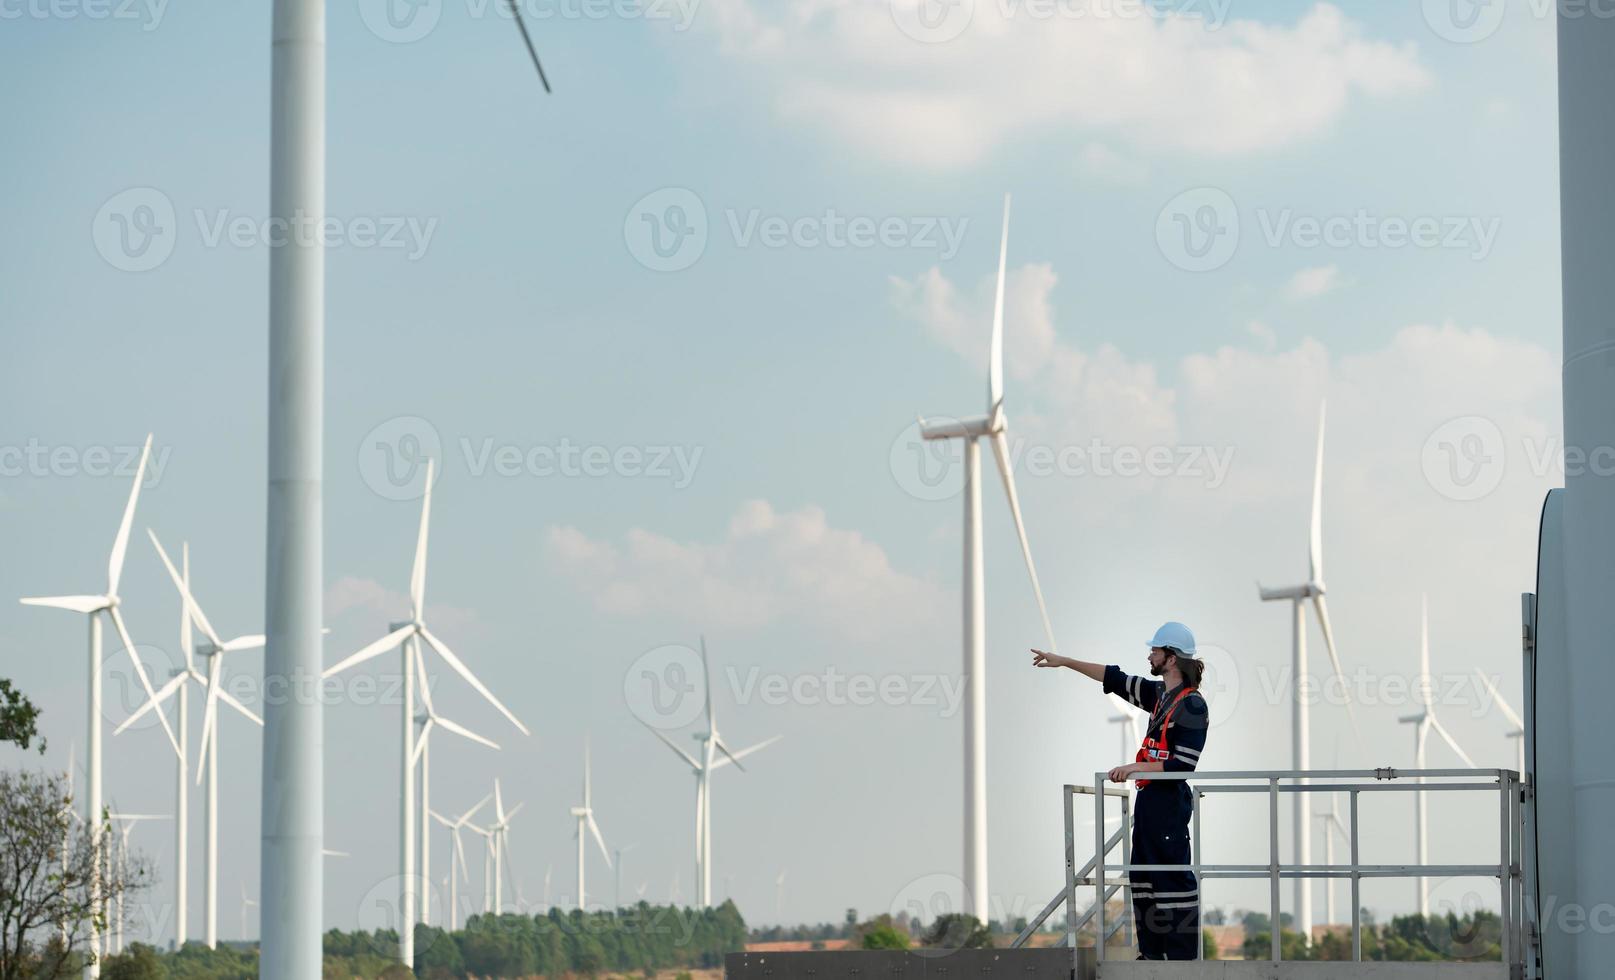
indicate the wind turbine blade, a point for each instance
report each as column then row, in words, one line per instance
column 586, row 774
column 424, row 687
column 120, row 544
column 521, row 25
column 718, row 743
column 1508, row 712
column 1322, row 608
column 1001, row 452
column 375, row 649
column 463, row 732
column 706, row 685
column 750, row 749
column 1425, row 679
column 467, row 815
column 417, row 575
column 700, row 820
column 420, row 742
column 687, row 757
column 1315, row 548
column 163, row 694
column 594, row 829
column 140, row 672
column 242, row 709
column 995, row 358
column 209, row 715
column 191, row 604
column 251, row 641
column 1452, row 743
column 73, row 603
column 470, row 678
column 185, row 637
column 459, row 847
column 512, row 814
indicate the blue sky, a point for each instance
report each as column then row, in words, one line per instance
column 788, row 373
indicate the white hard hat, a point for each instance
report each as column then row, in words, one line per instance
column 1175, row 635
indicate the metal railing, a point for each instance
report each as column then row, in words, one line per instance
column 1507, row 868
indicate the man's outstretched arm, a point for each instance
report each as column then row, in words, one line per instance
column 1095, row 671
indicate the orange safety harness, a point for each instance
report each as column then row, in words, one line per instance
column 1155, row 748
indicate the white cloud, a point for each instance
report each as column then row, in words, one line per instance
column 768, row 567
column 350, row 592
column 1173, row 82
column 1260, row 403
column 1313, row 282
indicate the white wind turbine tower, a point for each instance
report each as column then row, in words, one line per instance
column 1424, row 722
column 549, row 869
column 1517, row 733
column 409, row 635
column 587, row 826
column 1332, row 826
column 428, row 720
column 712, row 743
column 246, row 903
column 92, row 606
column 992, row 426
column 487, row 865
column 457, row 871
column 1300, row 745
column 118, row 863
column 1127, row 722
column 213, row 650
column 779, row 897
column 616, row 895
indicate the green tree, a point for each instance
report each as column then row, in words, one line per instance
column 958, row 930
column 18, row 717
column 50, row 876
column 885, row 937
column 139, row 962
column 1208, row 943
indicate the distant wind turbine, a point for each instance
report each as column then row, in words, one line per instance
column 1426, row 721
column 457, row 871
column 409, row 635
column 1517, row 733
column 586, row 826
column 1332, row 826
column 93, row 606
column 994, row 427
column 212, row 649
column 118, row 860
column 616, row 894
column 499, row 842
column 1313, row 591
column 426, row 722
column 712, row 744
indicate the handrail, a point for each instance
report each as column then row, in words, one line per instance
column 1099, row 872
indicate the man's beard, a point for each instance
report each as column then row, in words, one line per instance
column 1157, row 670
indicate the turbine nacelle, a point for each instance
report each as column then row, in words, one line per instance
column 974, row 427
column 1292, row 592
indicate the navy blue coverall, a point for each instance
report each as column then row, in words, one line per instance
column 1166, row 904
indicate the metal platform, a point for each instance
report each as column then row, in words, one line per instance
column 1053, row 963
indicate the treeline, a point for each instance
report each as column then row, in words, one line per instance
column 1408, row 938
column 636, row 939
